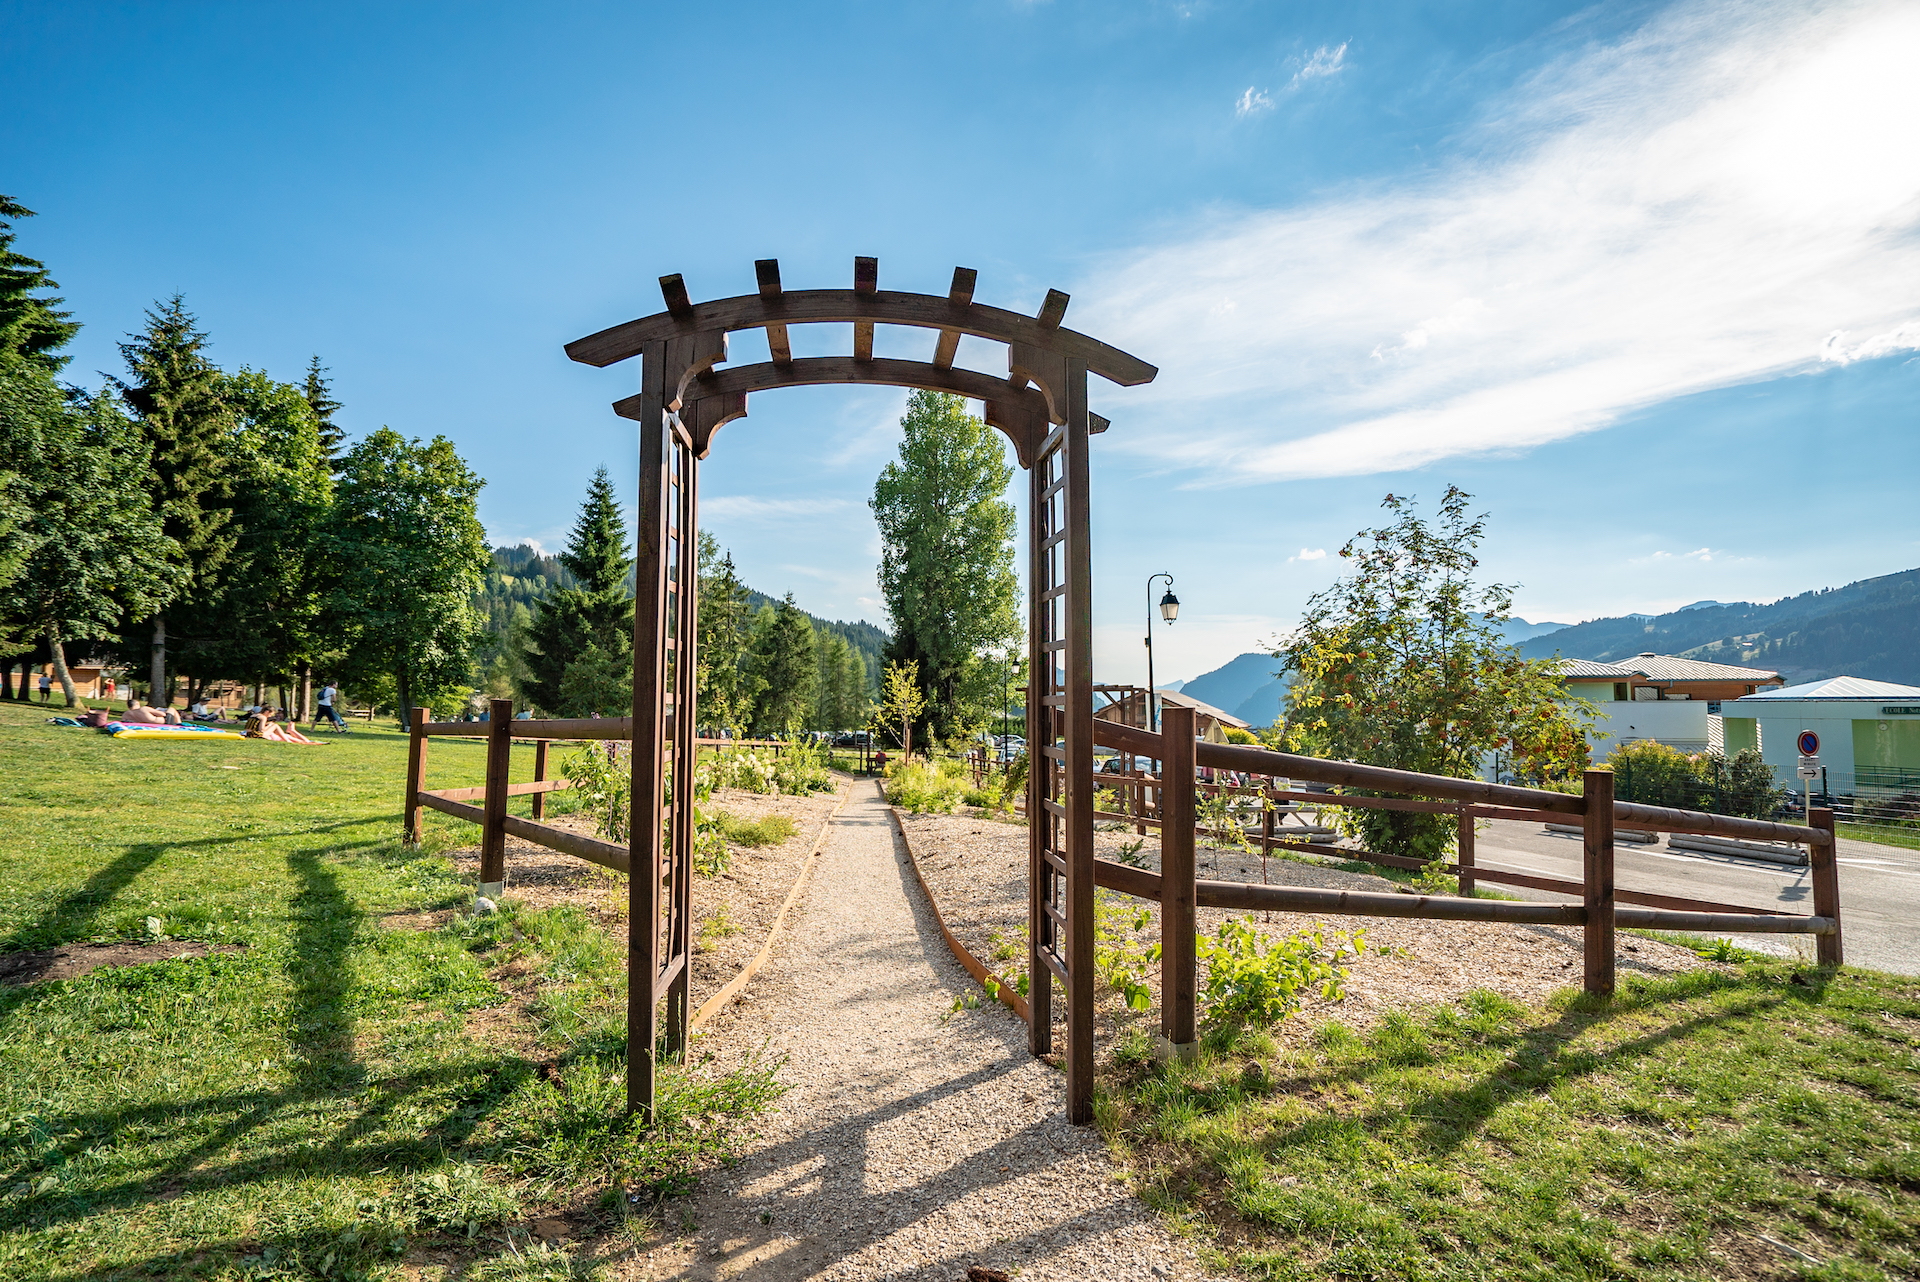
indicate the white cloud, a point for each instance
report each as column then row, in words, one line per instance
column 1702, row 555
column 1253, row 102
column 1323, row 63
column 1309, row 554
column 1719, row 198
column 748, row 507
column 1906, row 338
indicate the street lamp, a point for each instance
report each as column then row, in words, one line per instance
column 1169, row 611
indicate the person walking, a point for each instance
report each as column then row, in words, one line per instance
column 329, row 696
column 46, row 687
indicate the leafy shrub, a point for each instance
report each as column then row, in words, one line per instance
column 927, row 787
column 1251, row 981
column 1120, row 958
column 802, row 768
column 602, row 775
column 1236, row 735
column 1654, row 774
column 768, row 830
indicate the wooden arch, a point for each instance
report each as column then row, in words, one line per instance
column 1041, row 406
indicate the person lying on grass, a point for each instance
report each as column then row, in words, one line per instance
column 261, row 725
column 136, row 715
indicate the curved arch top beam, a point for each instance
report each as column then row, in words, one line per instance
column 718, row 397
column 859, row 307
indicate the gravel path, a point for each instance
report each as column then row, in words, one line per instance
column 915, row 1141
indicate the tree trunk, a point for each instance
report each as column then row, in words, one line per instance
column 60, row 666
column 403, row 687
column 157, row 672
column 306, row 692
column 6, row 680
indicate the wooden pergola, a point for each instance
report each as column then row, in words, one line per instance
column 1041, row 406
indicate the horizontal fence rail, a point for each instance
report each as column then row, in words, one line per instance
column 1602, row 908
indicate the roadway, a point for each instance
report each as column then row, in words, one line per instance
column 1879, row 887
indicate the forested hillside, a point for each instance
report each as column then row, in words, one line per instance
column 1870, row 628
column 521, row 576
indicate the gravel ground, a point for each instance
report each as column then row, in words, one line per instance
column 915, row 1140
column 977, row 869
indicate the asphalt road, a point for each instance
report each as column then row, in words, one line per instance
column 1879, row 887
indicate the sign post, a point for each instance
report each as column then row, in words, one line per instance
column 1809, row 744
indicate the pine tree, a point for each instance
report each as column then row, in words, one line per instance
column 782, row 660
column 31, row 326
column 726, row 686
column 175, row 394
column 598, row 613
column 319, row 395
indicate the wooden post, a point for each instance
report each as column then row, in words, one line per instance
column 1597, row 877
column 493, row 833
column 1465, row 855
column 416, row 775
column 1267, row 814
column 1826, row 886
column 1039, row 766
column 540, row 776
column 1079, row 744
column 649, row 731
column 1177, row 891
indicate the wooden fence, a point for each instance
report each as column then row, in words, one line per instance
column 1598, row 914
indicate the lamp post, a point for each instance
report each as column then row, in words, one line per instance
column 1169, row 611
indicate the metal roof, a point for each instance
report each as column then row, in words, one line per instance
column 1667, row 667
column 1589, row 668
column 1838, row 688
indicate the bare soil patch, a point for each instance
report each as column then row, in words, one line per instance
column 977, row 870
column 74, row 960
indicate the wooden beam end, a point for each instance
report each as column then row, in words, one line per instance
column 767, row 272
column 1054, row 310
column 674, row 290
column 866, row 275
column 960, row 294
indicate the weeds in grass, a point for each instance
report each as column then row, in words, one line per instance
column 539, row 1262
column 1256, row 981
column 768, row 830
column 716, row 928
column 1121, row 957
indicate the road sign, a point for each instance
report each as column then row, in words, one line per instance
column 1809, row 744
column 1809, row 769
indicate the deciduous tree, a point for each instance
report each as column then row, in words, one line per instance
column 946, row 568
column 411, row 553
column 1401, row 664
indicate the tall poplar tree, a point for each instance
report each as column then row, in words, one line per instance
column 946, row 567
column 174, row 391
column 595, row 615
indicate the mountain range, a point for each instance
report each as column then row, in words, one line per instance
column 1869, row 628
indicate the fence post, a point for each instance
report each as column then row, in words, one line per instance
column 493, row 833
column 1465, row 853
column 1177, row 894
column 416, row 775
column 1267, row 813
column 540, row 776
column 1826, row 886
column 1597, row 878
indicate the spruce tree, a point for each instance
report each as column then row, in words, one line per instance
column 726, row 689
column 32, row 328
column 783, row 660
column 319, row 394
column 174, row 392
column 598, row 613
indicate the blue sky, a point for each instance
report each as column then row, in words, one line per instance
column 1644, row 278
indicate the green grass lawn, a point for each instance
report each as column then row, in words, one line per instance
column 1668, row 1133
column 318, row 1103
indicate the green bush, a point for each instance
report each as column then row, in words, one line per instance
column 768, row 830
column 927, row 787
column 602, row 775
column 1256, row 983
column 1655, row 775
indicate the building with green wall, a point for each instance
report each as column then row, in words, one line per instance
column 1869, row 732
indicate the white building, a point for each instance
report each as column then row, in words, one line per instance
column 1869, row 732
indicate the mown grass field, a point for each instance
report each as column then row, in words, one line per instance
column 320, row 1102
column 1754, row 1122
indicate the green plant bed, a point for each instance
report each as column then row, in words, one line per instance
column 317, row 1097
column 768, row 830
column 1705, row 1126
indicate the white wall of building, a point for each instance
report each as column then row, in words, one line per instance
column 1782, row 720
column 1678, row 723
